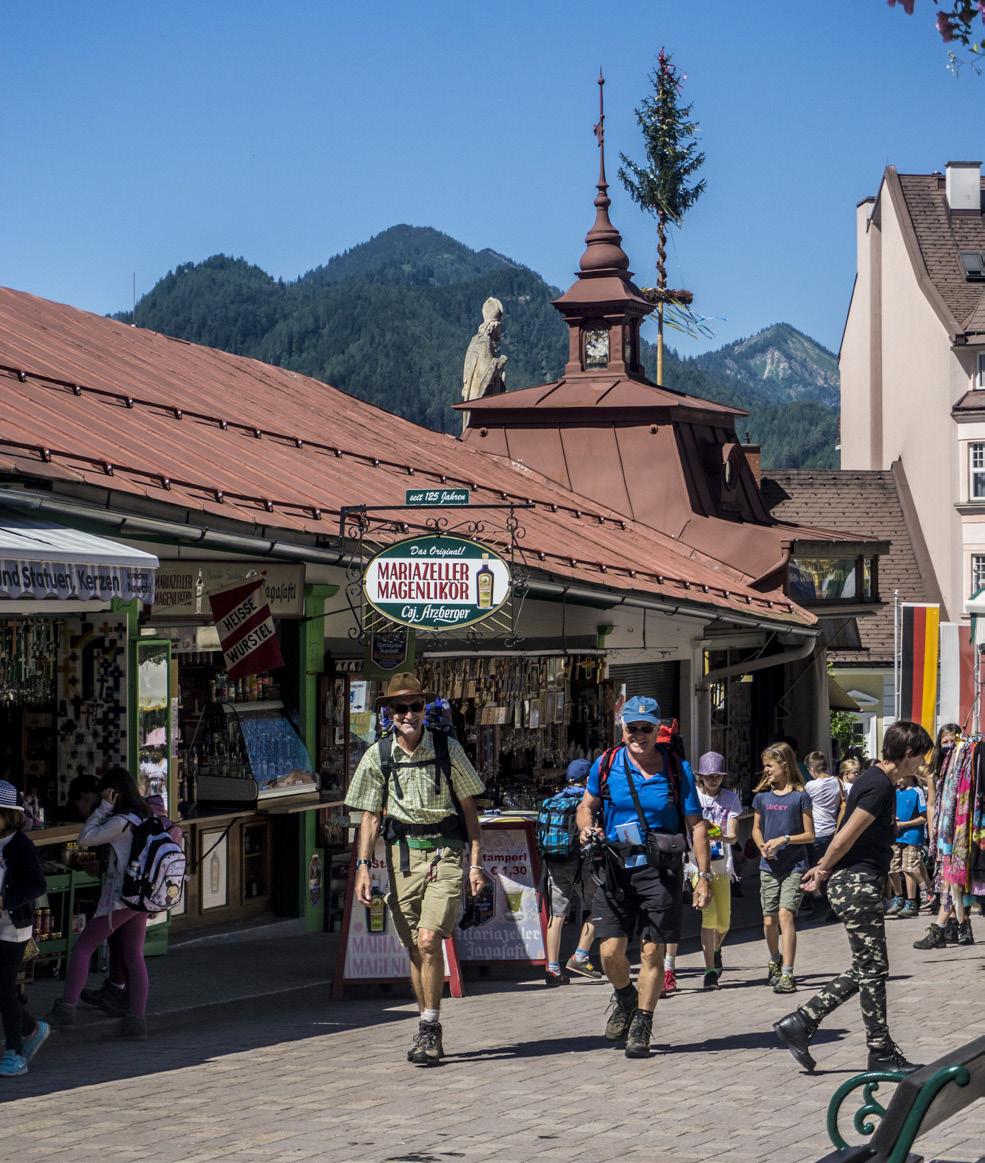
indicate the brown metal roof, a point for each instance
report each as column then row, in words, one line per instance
column 135, row 413
column 595, row 393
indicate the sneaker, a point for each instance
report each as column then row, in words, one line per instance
column 964, row 933
column 670, row 983
column 894, row 906
column 33, row 1043
column 773, row 971
column 933, row 940
column 107, row 998
column 640, row 1033
column 619, row 1021
column 951, row 931
column 711, row 979
column 910, row 909
column 583, row 968
column 428, row 1049
column 129, row 1027
column 890, row 1057
column 11, row 1064
column 61, row 1014
column 785, row 983
column 719, row 968
column 795, row 1032
column 552, row 979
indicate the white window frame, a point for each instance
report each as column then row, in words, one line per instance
column 976, row 470
column 977, row 572
column 980, row 372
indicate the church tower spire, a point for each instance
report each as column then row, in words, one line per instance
column 603, row 243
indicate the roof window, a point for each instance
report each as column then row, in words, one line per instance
column 973, row 262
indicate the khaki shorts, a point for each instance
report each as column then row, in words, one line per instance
column 777, row 893
column 906, row 858
column 718, row 914
column 419, row 901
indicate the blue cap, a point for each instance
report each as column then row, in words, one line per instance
column 640, row 709
column 578, row 770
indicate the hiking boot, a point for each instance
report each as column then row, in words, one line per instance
column 134, row 1029
column 894, row 906
column 619, row 1021
column 933, row 940
column 719, row 968
column 107, row 998
column 773, row 970
column 670, row 983
column 62, row 1014
column 11, row 1064
column 428, row 1049
column 785, row 983
column 964, row 933
column 711, row 979
column 33, row 1042
column 910, row 909
column 552, row 979
column 951, row 931
column 640, row 1033
column 891, row 1057
column 583, row 968
column 795, row 1032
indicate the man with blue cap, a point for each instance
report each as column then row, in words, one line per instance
column 642, row 798
column 566, row 880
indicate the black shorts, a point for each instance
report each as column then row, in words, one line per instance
column 640, row 901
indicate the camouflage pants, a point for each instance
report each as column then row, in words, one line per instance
column 856, row 899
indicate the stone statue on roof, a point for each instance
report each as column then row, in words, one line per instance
column 484, row 374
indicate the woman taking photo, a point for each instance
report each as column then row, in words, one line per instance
column 120, row 808
column 21, row 883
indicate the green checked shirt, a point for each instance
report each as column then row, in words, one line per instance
column 419, row 802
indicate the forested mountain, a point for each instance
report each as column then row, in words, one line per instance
column 389, row 321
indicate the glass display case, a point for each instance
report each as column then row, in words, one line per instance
column 154, row 719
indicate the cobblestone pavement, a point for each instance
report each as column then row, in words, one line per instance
column 527, row 1075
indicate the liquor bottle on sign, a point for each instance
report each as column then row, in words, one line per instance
column 376, row 911
column 484, row 585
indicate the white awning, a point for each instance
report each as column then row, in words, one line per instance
column 40, row 560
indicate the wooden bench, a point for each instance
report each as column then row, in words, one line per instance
column 921, row 1101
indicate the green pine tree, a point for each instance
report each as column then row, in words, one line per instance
column 672, row 158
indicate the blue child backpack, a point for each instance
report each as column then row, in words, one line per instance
column 557, row 828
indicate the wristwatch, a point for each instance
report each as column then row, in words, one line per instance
column 361, row 862
column 704, row 875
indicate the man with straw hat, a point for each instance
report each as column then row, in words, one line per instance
column 419, row 786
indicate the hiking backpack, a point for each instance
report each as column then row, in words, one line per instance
column 557, row 826
column 155, row 873
column 673, row 777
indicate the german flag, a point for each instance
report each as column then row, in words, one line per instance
column 918, row 664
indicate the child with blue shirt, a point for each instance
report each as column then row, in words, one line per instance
column 907, row 869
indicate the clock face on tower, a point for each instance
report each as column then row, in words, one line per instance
column 596, row 347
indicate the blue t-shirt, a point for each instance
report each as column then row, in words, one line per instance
column 783, row 816
column 659, row 810
column 909, row 803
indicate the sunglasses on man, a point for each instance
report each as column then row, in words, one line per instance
column 640, row 728
column 406, row 708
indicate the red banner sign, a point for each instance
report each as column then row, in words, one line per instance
column 246, row 629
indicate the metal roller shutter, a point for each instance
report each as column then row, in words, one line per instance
column 656, row 680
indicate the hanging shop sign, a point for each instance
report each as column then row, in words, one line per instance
column 437, row 583
column 387, row 651
column 182, row 586
column 437, row 498
column 246, row 629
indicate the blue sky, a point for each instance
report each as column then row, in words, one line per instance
column 137, row 136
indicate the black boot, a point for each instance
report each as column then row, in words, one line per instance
column 640, row 1033
column 933, row 940
column 951, row 931
column 795, row 1032
column 891, row 1057
column 964, row 933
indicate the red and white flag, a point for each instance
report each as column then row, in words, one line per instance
column 246, row 629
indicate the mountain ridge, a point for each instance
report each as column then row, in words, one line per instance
column 389, row 320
